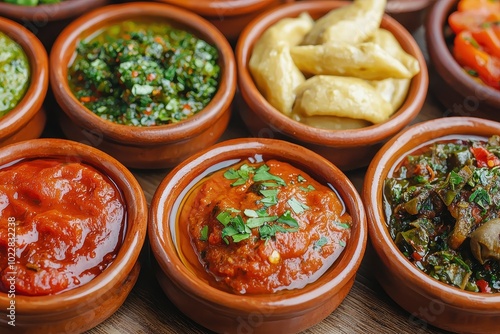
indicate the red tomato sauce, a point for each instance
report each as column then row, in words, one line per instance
column 290, row 228
column 68, row 221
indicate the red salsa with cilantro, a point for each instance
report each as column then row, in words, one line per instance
column 443, row 205
column 61, row 225
column 144, row 73
column 259, row 228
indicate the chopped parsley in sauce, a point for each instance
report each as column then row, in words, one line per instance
column 144, row 74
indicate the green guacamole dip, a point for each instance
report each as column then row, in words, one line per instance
column 144, row 74
column 14, row 74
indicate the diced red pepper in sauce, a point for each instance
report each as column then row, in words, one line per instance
column 485, row 158
column 288, row 260
column 63, row 221
column 483, row 286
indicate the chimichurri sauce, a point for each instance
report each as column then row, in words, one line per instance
column 443, row 207
column 14, row 74
column 144, row 74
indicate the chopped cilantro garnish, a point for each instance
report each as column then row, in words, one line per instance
column 287, row 219
column 300, row 178
column 480, row 197
column 297, row 206
column 262, row 174
column 342, row 225
column 308, row 188
column 320, row 243
column 204, row 233
column 342, row 243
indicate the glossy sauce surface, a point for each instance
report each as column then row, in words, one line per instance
column 261, row 227
column 64, row 222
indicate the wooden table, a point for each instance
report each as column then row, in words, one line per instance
column 367, row 309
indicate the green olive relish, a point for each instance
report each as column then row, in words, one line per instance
column 14, row 74
column 144, row 74
column 443, row 210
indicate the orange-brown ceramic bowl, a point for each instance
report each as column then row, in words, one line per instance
column 428, row 300
column 27, row 119
column 285, row 312
column 77, row 310
column 47, row 20
column 453, row 87
column 347, row 149
column 229, row 16
column 142, row 147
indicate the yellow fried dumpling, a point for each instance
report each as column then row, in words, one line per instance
column 271, row 65
column 393, row 91
column 386, row 40
column 353, row 23
column 276, row 77
column 342, row 97
column 365, row 60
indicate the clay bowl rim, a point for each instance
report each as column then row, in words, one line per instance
column 444, row 62
column 346, row 138
column 33, row 99
column 134, row 235
column 382, row 164
column 292, row 301
column 63, row 50
column 220, row 8
column 403, row 6
column 49, row 12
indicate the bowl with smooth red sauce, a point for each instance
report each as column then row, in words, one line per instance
column 431, row 196
column 73, row 221
column 248, row 228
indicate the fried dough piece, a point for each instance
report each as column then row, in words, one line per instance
column 342, row 97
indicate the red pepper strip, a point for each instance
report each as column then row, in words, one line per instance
column 483, row 286
column 484, row 157
column 469, row 54
column 489, row 39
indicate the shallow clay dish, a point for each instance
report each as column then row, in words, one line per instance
column 347, row 149
column 143, row 147
column 285, row 312
column 454, row 88
column 428, row 300
column 27, row 119
column 79, row 309
column 229, row 16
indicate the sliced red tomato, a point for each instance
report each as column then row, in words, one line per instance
column 491, row 5
column 484, row 157
column 471, row 20
column 483, row 286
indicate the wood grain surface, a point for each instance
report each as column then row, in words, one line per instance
column 367, row 309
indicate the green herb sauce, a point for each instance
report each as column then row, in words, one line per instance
column 144, row 74
column 14, row 74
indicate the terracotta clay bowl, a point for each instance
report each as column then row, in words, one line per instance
column 347, row 149
column 79, row 309
column 229, row 16
column 453, row 87
column 429, row 301
column 27, row 119
column 143, row 147
column 286, row 311
column 47, row 20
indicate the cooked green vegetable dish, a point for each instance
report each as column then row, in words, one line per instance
column 14, row 74
column 144, row 74
column 443, row 207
